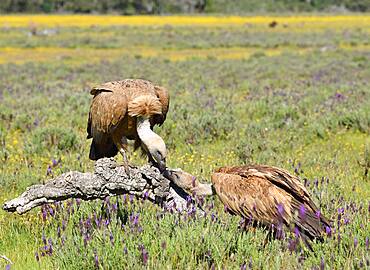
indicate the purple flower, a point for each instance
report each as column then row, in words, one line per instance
column 144, row 256
column 37, row 257
column 146, row 195
column 7, row 267
column 115, row 207
column 296, row 232
column 43, row 238
column 78, row 201
column 49, row 171
column 367, row 243
column 44, row 213
column 292, row 245
column 318, row 214
column 243, row 266
column 302, row 212
column 51, row 211
column 355, row 242
column 54, row 162
column 316, row 182
column 322, row 264
column 346, row 221
column 280, row 208
column 328, row 231
column 111, row 238
column 280, row 232
column 125, row 251
column 341, row 210
column 96, row 259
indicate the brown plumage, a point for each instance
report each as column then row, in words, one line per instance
column 115, row 112
column 263, row 194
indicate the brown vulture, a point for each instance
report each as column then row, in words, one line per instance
column 267, row 196
column 127, row 110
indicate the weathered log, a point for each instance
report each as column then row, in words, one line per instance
column 108, row 179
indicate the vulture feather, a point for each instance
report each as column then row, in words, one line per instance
column 266, row 195
column 127, row 110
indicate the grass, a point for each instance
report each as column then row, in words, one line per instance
column 305, row 108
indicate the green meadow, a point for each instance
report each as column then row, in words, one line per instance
column 295, row 97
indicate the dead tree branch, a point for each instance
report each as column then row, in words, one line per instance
column 109, row 179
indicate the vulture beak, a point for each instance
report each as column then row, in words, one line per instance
column 162, row 165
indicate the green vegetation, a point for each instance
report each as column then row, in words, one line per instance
column 180, row 6
column 306, row 112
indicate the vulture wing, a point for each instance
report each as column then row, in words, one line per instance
column 108, row 107
column 258, row 192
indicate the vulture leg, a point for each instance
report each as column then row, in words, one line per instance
column 121, row 144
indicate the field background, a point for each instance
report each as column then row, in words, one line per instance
column 294, row 95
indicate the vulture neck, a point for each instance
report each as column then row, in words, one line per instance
column 204, row 189
column 144, row 131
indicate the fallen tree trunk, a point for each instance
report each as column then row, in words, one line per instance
column 109, row 179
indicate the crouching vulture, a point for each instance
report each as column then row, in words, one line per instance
column 267, row 196
column 127, row 110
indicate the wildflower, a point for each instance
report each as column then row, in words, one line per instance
column 322, row 264
column 96, row 259
column 318, row 214
column 355, row 242
column 302, row 212
column 78, row 202
column 280, row 208
column 328, row 231
column 316, row 182
column 7, row 267
column 243, row 266
column 44, row 213
column 144, row 256
column 125, row 251
column 292, row 245
column 43, row 238
column 49, row 171
column 54, row 162
column 37, row 257
column 367, row 243
column 296, row 232
column 111, row 238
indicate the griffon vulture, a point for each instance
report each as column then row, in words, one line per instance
column 127, row 109
column 268, row 196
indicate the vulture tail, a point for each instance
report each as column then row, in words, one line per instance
column 97, row 151
column 144, row 106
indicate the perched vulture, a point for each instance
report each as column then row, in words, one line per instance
column 127, row 110
column 268, row 196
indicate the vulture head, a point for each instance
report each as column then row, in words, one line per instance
column 157, row 150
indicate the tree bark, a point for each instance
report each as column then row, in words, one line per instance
column 108, row 179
